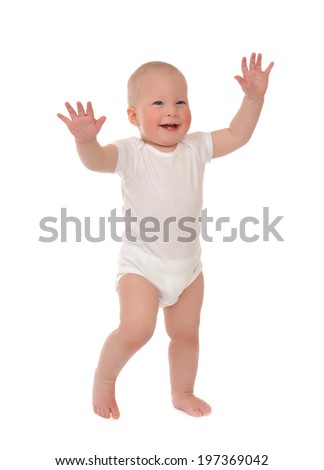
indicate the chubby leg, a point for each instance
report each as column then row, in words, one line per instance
column 182, row 325
column 139, row 305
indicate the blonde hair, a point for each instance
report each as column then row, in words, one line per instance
column 135, row 78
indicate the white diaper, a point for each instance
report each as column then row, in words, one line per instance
column 169, row 277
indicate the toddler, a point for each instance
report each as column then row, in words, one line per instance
column 161, row 174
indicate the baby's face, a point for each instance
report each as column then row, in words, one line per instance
column 161, row 109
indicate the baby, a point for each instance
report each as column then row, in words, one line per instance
column 162, row 178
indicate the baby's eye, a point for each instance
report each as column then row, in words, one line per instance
column 158, row 103
column 181, row 102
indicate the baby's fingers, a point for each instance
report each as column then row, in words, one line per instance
column 252, row 61
column 89, row 109
column 71, row 110
column 269, row 68
column 244, row 67
column 66, row 120
column 81, row 110
column 241, row 80
column 100, row 122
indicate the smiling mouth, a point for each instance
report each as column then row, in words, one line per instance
column 170, row 126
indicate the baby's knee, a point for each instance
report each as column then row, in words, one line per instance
column 135, row 338
column 188, row 335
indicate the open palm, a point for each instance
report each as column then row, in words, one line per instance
column 254, row 82
column 82, row 124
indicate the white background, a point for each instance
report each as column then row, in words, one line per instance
column 261, row 336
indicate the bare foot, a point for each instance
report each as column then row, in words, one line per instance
column 103, row 400
column 192, row 405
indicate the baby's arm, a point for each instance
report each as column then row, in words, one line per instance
column 85, row 128
column 254, row 84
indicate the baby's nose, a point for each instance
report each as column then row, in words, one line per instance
column 171, row 111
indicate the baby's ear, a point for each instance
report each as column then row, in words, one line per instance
column 132, row 116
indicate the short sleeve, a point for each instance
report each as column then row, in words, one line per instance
column 127, row 151
column 202, row 143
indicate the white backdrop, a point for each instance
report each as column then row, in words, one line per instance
column 261, row 336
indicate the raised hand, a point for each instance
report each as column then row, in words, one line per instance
column 82, row 124
column 254, row 82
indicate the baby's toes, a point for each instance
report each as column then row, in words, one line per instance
column 205, row 409
column 115, row 412
column 196, row 412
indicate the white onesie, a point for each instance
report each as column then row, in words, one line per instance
column 163, row 196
